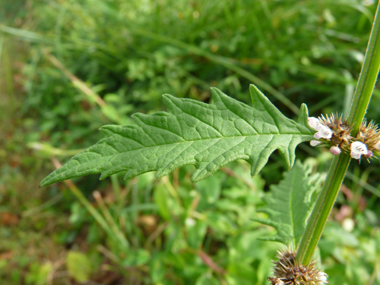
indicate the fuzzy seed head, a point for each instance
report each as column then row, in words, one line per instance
column 276, row 281
column 287, row 271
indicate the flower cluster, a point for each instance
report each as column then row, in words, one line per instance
column 335, row 133
column 287, row 271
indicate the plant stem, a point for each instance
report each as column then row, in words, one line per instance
column 367, row 77
column 339, row 165
column 322, row 208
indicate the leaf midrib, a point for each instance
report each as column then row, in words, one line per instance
column 218, row 138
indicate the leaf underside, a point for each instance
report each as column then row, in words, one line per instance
column 205, row 135
column 289, row 205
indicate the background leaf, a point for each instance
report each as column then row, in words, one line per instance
column 78, row 266
column 289, row 205
column 206, row 135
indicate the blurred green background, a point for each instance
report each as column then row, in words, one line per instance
column 70, row 66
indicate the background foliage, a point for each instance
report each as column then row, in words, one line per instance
column 69, row 67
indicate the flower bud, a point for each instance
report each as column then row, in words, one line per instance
column 335, row 150
column 314, row 143
column 287, row 270
column 369, row 154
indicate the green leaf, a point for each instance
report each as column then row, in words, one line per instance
column 161, row 198
column 289, row 205
column 196, row 232
column 136, row 257
column 78, row 266
column 207, row 279
column 209, row 190
column 205, row 135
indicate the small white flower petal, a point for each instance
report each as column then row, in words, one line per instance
column 377, row 145
column 314, row 143
column 313, row 123
column 335, row 150
column 356, row 155
column 317, row 135
column 327, row 132
column 322, row 277
column 358, row 149
column 324, row 132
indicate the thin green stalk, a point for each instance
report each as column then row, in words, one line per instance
column 116, row 190
column 339, row 165
column 1, row 44
column 117, row 237
column 93, row 212
column 121, row 239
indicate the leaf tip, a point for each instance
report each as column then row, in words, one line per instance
column 103, row 176
column 109, row 130
column 167, row 97
column 214, row 89
column 45, row 182
column 162, row 172
column 255, row 92
column 198, row 176
column 303, row 115
column 253, row 87
column 130, row 174
column 169, row 100
column 216, row 95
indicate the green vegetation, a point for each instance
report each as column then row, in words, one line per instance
column 69, row 67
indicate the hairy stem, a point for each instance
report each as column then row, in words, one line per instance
column 339, row 165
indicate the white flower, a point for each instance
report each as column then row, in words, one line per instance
column 323, row 132
column 313, row 123
column 377, row 145
column 335, row 150
column 322, row 278
column 358, row 149
column 314, row 143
